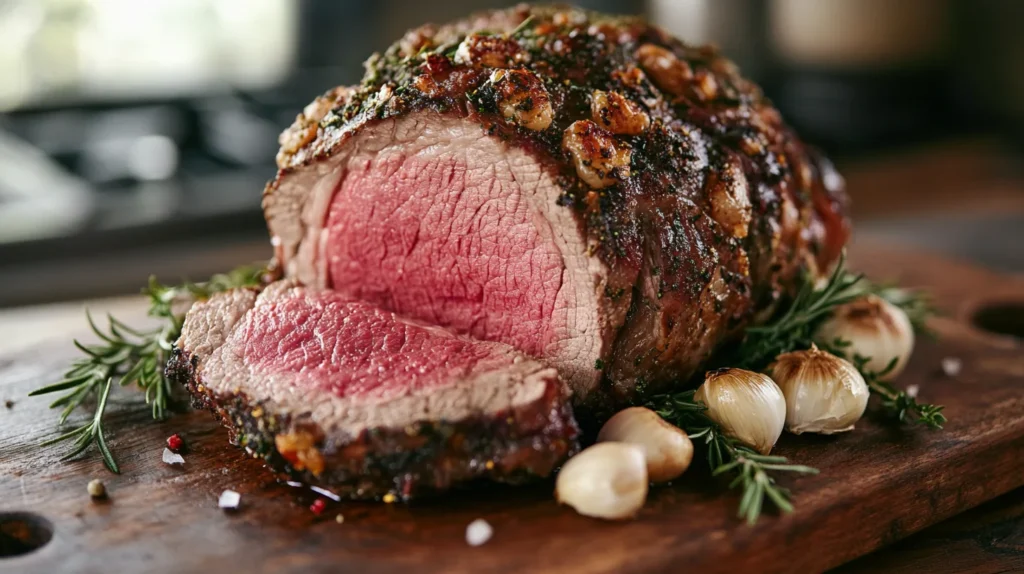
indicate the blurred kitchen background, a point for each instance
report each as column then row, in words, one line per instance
column 136, row 136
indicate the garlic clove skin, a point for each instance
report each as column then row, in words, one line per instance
column 824, row 393
column 748, row 406
column 667, row 449
column 607, row 480
column 876, row 329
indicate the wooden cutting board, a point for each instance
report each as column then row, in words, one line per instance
column 877, row 484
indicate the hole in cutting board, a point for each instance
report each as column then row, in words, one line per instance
column 1004, row 318
column 23, row 532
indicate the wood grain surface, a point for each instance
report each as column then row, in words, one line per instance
column 877, row 485
column 988, row 539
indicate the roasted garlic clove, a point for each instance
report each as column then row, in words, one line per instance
column 522, row 98
column 600, row 160
column 729, row 196
column 705, row 86
column 824, row 393
column 617, row 114
column 748, row 406
column 668, row 72
column 607, row 480
column 491, row 52
column 874, row 329
column 667, row 449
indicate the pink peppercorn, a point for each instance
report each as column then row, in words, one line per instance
column 318, row 506
column 175, row 443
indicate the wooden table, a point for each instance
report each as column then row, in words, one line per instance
column 878, row 485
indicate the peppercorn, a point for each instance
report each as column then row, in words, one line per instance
column 318, row 506
column 96, row 488
column 175, row 442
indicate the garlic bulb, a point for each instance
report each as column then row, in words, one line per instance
column 824, row 393
column 607, row 480
column 876, row 329
column 748, row 406
column 667, row 449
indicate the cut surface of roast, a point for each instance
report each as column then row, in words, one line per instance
column 341, row 393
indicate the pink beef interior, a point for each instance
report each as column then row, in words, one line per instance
column 430, row 217
column 352, row 349
column 349, row 366
column 449, row 242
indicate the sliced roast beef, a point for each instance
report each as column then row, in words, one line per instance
column 584, row 188
column 338, row 392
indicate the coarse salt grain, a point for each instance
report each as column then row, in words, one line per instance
column 478, row 532
column 325, row 492
column 951, row 366
column 912, row 391
column 172, row 457
column 229, row 499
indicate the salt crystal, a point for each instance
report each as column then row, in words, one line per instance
column 951, row 366
column 478, row 532
column 229, row 499
column 912, row 391
column 172, row 457
column 326, row 493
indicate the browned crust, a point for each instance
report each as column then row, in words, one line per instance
column 512, row 446
column 690, row 282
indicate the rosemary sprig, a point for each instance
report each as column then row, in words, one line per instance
column 794, row 329
column 86, row 434
column 132, row 357
column 904, row 406
column 727, row 456
column 521, row 27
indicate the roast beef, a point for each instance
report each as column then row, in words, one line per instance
column 339, row 393
column 582, row 187
column 525, row 195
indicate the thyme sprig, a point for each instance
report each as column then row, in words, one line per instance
column 129, row 356
column 751, row 471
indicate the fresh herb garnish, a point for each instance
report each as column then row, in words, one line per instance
column 727, row 456
column 793, row 328
column 521, row 27
column 904, row 406
column 129, row 356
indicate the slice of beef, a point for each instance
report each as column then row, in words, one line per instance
column 582, row 187
column 339, row 393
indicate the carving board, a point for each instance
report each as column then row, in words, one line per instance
column 877, row 484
